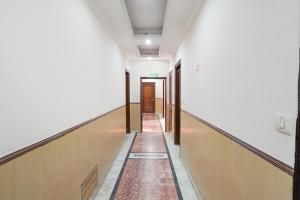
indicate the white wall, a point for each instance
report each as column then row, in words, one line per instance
column 248, row 57
column 56, row 61
column 144, row 68
column 173, row 62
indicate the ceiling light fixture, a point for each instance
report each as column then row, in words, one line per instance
column 148, row 41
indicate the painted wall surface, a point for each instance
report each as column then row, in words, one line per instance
column 144, row 68
column 171, row 71
column 224, row 170
column 55, row 171
column 56, row 61
column 247, row 58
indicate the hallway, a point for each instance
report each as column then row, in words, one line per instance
column 149, row 100
column 148, row 172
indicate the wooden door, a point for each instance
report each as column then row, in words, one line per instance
column 127, row 89
column 177, row 103
column 170, row 103
column 296, row 193
column 148, row 97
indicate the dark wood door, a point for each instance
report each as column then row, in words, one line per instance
column 127, row 89
column 296, row 194
column 170, row 103
column 177, row 103
column 148, row 97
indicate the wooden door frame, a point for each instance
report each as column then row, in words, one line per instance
column 170, row 117
column 142, row 95
column 127, row 100
column 164, row 100
column 296, row 187
column 177, row 119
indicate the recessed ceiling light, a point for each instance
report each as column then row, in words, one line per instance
column 148, row 41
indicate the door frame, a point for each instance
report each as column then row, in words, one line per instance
column 170, row 107
column 164, row 99
column 177, row 118
column 296, row 185
column 142, row 95
column 127, row 100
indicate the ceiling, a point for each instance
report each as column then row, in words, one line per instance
column 146, row 16
column 132, row 22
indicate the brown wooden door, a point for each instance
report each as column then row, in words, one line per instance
column 127, row 88
column 177, row 103
column 170, row 103
column 148, row 97
column 296, row 194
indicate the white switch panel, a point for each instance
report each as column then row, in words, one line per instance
column 197, row 68
column 283, row 124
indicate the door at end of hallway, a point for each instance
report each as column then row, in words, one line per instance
column 148, row 97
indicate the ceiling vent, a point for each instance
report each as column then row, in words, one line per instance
column 149, row 51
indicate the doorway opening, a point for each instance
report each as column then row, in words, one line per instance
column 152, row 97
column 127, row 100
column 177, row 103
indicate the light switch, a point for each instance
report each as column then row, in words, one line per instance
column 283, row 124
column 197, row 68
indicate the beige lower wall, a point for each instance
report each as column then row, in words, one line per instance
column 173, row 118
column 159, row 105
column 170, row 109
column 57, row 169
column 224, row 170
column 135, row 118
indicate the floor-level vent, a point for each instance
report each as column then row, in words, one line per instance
column 89, row 184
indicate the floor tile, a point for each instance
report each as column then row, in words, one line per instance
column 148, row 168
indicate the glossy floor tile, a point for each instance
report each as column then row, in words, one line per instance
column 144, row 170
column 151, row 123
column 149, row 142
column 148, row 155
column 105, row 189
column 187, row 187
column 148, row 177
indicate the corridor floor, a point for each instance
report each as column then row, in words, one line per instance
column 147, row 172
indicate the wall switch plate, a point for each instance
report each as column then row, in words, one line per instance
column 197, row 68
column 283, row 124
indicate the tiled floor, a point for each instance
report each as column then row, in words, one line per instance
column 149, row 142
column 146, row 172
column 151, row 123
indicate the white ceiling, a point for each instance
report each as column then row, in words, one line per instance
column 146, row 16
column 165, row 21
